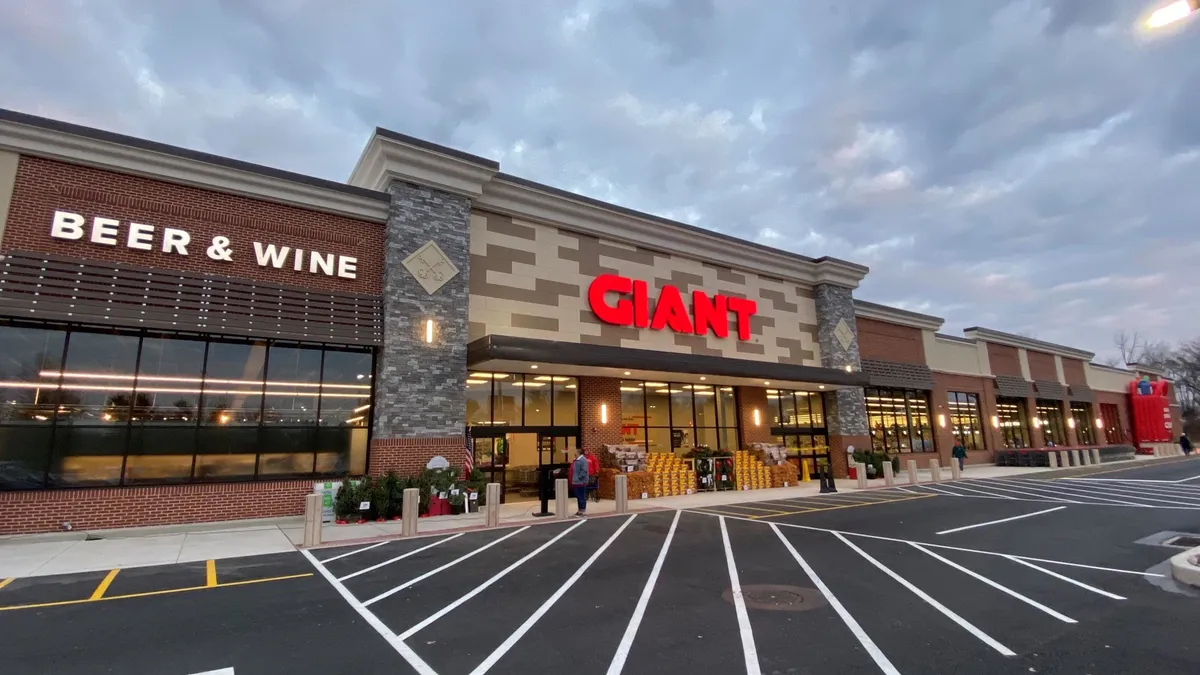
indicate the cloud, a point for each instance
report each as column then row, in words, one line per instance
column 1028, row 165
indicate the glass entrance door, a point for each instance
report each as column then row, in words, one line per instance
column 512, row 457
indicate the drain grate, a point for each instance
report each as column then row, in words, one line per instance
column 1183, row 541
column 779, row 598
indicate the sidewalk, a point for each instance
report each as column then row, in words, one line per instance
column 70, row 552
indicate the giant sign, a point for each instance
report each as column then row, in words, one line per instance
column 622, row 301
column 104, row 231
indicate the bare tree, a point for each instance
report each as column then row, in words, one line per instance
column 1133, row 348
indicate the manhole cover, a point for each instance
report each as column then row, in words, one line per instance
column 779, row 598
column 1183, row 541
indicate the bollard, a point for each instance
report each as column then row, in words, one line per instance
column 621, row 489
column 1085, row 457
column 805, row 476
column 561, row 493
column 935, row 471
column 1095, row 455
column 889, row 476
column 860, row 469
column 314, row 505
column 410, row 509
column 1076, row 460
column 1064, row 458
column 493, row 505
column 1052, row 457
column 830, row 486
column 955, row 469
column 912, row 472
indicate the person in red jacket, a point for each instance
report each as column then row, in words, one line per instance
column 593, row 473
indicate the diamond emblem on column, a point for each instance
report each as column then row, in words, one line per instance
column 430, row 267
column 844, row 335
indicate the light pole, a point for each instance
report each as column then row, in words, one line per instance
column 1173, row 13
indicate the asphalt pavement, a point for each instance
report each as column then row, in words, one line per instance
column 1059, row 575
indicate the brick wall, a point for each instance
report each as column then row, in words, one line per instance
column 749, row 399
column 408, row 456
column 594, row 392
column 1005, row 360
column 44, row 186
column 882, row 341
column 1073, row 371
column 107, row 508
column 1041, row 366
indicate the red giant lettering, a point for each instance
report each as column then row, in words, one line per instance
column 631, row 307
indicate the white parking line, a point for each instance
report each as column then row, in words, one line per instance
column 946, row 611
column 482, row 587
column 749, row 650
column 981, row 495
column 865, row 640
column 520, row 632
column 1141, row 490
column 412, row 582
column 398, row 558
column 418, row 664
column 1144, row 495
column 1003, row 589
column 1078, row 493
column 1069, row 580
column 350, row 553
column 639, row 611
column 1035, row 496
column 1002, row 520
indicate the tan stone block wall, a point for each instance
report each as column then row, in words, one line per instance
column 531, row 280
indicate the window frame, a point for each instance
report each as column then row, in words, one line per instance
column 1023, row 431
column 957, row 400
column 1085, row 422
column 721, row 429
column 1050, row 414
column 880, row 441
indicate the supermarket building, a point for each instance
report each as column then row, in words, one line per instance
column 186, row 337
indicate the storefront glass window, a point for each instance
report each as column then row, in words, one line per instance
column 899, row 420
column 677, row 417
column 966, row 420
column 140, row 409
column 798, row 422
column 1085, row 424
column 1014, row 422
column 1054, row 426
column 516, row 400
column 1114, row 432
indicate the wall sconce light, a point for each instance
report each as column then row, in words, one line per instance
column 849, row 368
column 1099, row 423
column 1071, row 422
column 603, row 413
column 1037, row 422
column 429, row 330
column 995, row 422
column 757, row 419
column 941, row 420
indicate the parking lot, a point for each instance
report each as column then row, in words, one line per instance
column 913, row 580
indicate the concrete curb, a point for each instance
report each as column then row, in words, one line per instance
column 1185, row 567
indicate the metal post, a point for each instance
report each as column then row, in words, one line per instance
column 935, row 471
column 314, row 505
column 493, row 504
column 889, row 476
column 912, row 472
column 543, row 492
column 560, row 498
column 410, row 509
column 861, row 470
column 621, row 490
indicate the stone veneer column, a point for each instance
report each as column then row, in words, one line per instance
column 845, row 409
column 749, row 399
column 594, row 392
column 420, row 404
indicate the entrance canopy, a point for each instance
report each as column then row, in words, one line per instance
column 502, row 353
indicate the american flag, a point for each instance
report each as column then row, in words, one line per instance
column 469, row 457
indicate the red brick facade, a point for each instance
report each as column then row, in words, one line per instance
column 882, row 341
column 103, row 508
column 408, row 456
column 1073, row 371
column 595, row 392
column 1004, row 360
column 750, row 399
column 1041, row 366
column 44, row 186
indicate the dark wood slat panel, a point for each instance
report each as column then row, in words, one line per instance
column 45, row 287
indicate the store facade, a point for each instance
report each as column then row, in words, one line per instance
column 186, row 337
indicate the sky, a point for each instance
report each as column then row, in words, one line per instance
column 1031, row 166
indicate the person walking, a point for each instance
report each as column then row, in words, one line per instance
column 959, row 453
column 579, row 478
column 1185, row 443
column 593, row 475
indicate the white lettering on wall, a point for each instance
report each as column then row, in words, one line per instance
column 104, row 231
column 67, row 226
column 140, row 237
column 175, row 241
column 270, row 255
column 107, row 231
